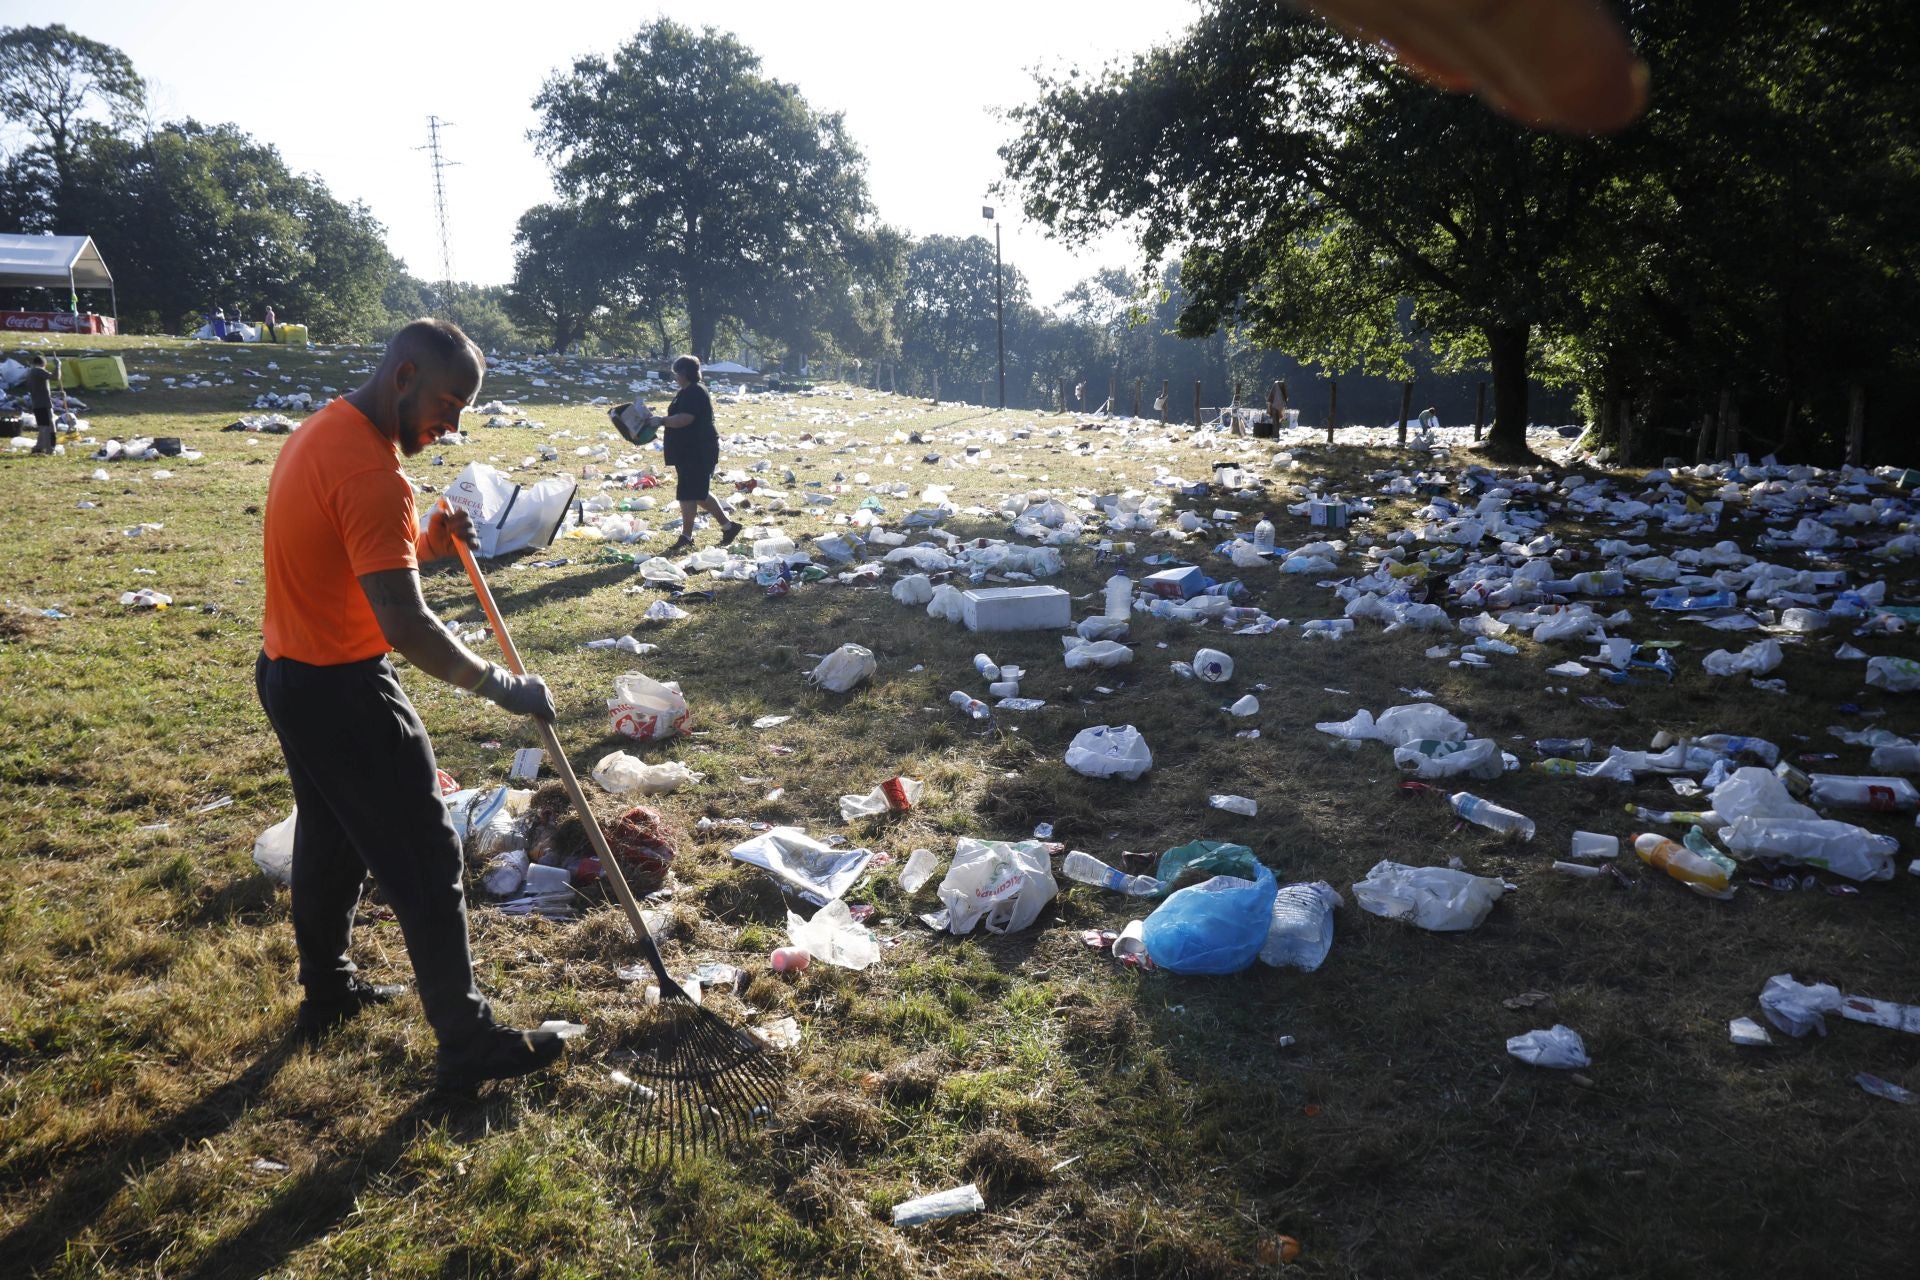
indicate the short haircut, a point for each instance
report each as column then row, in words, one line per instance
column 37, row 359
column 434, row 341
column 688, row 367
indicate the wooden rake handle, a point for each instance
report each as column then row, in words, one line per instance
column 609, row 865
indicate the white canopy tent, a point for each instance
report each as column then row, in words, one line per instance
column 47, row 262
column 730, row 368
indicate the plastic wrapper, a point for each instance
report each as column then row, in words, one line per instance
column 812, row 870
column 1002, row 885
column 834, row 936
column 844, row 668
column 1559, row 1046
column 1109, row 751
column 1436, row 898
column 623, row 774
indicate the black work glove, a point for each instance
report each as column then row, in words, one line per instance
column 522, row 695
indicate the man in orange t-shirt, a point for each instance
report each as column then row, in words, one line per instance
column 343, row 546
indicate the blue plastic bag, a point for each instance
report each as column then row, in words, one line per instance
column 1217, row 926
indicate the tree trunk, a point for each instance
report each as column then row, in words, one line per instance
column 702, row 325
column 1856, row 424
column 1507, row 351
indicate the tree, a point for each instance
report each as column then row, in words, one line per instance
column 562, row 282
column 728, row 192
column 946, row 311
column 1314, row 185
column 52, row 81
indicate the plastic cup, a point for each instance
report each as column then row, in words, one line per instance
column 1591, row 844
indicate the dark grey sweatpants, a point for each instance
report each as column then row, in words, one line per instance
column 365, row 780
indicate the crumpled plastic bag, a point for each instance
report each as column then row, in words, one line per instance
column 834, row 936
column 915, row 588
column 1895, row 675
column 946, row 602
column 1756, row 659
column 273, row 850
column 844, row 668
column 1559, row 1046
column 660, row 569
column 1436, row 898
column 1418, row 721
column 1216, row 926
column 1083, row 654
column 1567, row 626
column 1358, row 729
column 647, row 709
column 1756, row 793
column 1839, row 847
column 1003, row 885
column 1796, row 1007
column 623, row 774
column 1109, row 751
column 815, row 871
column 1471, row 758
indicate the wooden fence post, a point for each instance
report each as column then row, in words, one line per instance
column 1063, row 395
column 1406, row 407
column 1479, row 411
column 1163, row 401
column 1233, row 410
column 1196, row 402
column 1113, row 394
column 1136, row 396
column 1333, row 407
column 936, row 386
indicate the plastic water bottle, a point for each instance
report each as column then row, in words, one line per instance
column 971, row 705
column 1485, row 813
column 1119, row 597
column 1556, row 768
column 1263, row 536
column 1565, row 748
column 987, row 667
column 1680, row 862
column 1728, row 744
column 1087, row 869
column 1301, row 931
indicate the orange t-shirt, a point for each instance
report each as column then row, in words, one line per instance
column 337, row 507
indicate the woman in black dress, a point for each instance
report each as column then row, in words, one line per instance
column 692, row 449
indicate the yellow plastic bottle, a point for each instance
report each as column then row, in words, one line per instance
column 1680, row 862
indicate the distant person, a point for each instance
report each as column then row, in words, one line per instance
column 343, row 547
column 219, row 323
column 692, row 449
column 1556, row 64
column 267, row 319
column 40, row 398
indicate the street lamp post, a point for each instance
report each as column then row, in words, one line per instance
column 999, row 301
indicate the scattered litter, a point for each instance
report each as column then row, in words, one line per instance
column 1558, row 1046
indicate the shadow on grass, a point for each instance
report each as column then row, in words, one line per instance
column 316, row 1202
column 40, row 1241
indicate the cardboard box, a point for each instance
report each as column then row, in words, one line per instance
column 1176, row 584
column 1016, row 609
column 1327, row 515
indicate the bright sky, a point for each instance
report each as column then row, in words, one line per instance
column 344, row 91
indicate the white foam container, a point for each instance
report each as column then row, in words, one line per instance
column 1016, row 609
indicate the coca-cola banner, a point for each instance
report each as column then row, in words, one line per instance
column 55, row 322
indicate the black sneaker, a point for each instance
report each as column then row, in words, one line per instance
column 497, row 1053
column 319, row 1015
column 681, row 543
column 729, row 532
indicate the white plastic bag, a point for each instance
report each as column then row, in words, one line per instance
column 1006, row 885
column 1895, row 675
column 834, row 936
column 1429, row 758
column 844, row 668
column 1417, row 721
column 1566, row 626
column 1839, row 847
column 623, row 774
column 1359, row 729
column 1796, row 1007
column 1301, row 933
column 946, row 603
column 915, row 588
column 1436, row 898
column 1560, row 1046
column 1753, row 792
column 273, row 851
column 508, row 516
column 1104, row 654
column 1755, row 660
column 646, row 709
column 1109, row 751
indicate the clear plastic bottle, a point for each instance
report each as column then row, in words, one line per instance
column 1728, row 744
column 1263, row 535
column 1087, row 869
column 1566, row 748
column 1680, row 862
column 1556, row 768
column 1705, row 818
column 1119, row 597
column 1485, row 813
column 1301, row 931
column 971, row 705
column 987, row 667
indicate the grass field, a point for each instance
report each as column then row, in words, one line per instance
column 157, row 1119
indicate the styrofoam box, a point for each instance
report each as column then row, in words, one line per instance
column 1016, row 609
column 1327, row 515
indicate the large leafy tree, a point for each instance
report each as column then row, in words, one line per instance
column 727, row 190
column 945, row 313
column 64, row 88
column 565, row 276
column 1314, row 185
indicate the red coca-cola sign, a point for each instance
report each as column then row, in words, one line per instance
column 55, row 322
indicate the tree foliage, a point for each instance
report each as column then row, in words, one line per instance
column 724, row 190
column 65, row 88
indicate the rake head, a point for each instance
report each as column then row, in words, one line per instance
column 690, row 1081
